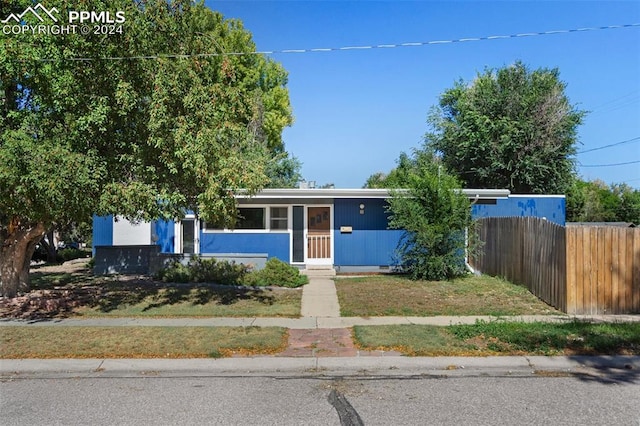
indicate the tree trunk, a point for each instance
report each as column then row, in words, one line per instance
column 17, row 247
column 50, row 246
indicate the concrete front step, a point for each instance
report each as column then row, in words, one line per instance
column 319, row 272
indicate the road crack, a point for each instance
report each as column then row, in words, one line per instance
column 348, row 415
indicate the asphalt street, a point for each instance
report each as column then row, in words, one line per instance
column 263, row 399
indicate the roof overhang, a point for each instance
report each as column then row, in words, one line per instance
column 319, row 193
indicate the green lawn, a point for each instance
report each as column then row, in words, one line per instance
column 504, row 338
column 139, row 342
column 393, row 295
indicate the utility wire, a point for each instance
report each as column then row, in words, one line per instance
column 621, row 99
column 610, row 145
column 609, row 165
column 345, row 48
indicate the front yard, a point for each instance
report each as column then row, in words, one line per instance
column 71, row 290
column 393, row 295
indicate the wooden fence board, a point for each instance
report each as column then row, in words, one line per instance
column 636, row 272
column 571, row 304
column 622, row 272
column 606, row 270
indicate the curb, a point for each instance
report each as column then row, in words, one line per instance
column 320, row 367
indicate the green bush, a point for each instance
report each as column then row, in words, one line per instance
column 276, row 273
column 434, row 215
column 72, row 253
column 199, row 270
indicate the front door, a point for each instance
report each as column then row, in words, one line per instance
column 319, row 247
column 188, row 241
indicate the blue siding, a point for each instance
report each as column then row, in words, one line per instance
column 102, row 231
column 274, row 244
column 166, row 233
column 370, row 243
column 551, row 208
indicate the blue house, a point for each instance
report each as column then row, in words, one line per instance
column 342, row 228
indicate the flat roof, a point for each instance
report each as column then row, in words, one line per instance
column 313, row 193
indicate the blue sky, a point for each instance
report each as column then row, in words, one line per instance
column 356, row 111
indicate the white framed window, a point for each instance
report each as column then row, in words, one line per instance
column 256, row 218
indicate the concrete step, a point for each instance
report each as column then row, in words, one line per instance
column 319, row 272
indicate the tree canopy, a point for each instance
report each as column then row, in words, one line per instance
column 509, row 128
column 595, row 201
column 131, row 129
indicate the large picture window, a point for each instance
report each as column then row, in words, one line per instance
column 251, row 218
column 262, row 218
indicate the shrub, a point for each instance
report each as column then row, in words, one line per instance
column 434, row 215
column 72, row 253
column 276, row 273
column 199, row 270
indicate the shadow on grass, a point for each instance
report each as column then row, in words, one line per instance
column 61, row 294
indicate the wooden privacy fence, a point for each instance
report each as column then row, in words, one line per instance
column 579, row 270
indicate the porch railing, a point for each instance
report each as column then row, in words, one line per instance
column 319, row 246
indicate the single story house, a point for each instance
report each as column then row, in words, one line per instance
column 346, row 229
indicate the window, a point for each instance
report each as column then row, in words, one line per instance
column 279, row 218
column 262, row 218
column 251, row 218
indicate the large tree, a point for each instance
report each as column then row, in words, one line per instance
column 510, row 128
column 130, row 129
column 595, row 201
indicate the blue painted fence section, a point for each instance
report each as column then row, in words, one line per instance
column 553, row 208
column 275, row 244
column 370, row 243
column 102, row 231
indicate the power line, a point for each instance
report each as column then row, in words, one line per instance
column 610, row 145
column 633, row 94
column 346, row 48
column 609, row 165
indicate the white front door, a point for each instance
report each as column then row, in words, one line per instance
column 319, row 235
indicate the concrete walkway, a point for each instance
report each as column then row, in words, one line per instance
column 320, row 299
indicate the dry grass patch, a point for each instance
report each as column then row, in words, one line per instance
column 191, row 300
column 138, row 342
column 399, row 296
column 71, row 290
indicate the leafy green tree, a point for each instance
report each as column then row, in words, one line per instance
column 435, row 216
column 284, row 171
column 509, row 128
column 398, row 177
column 594, row 201
column 628, row 208
column 143, row 138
